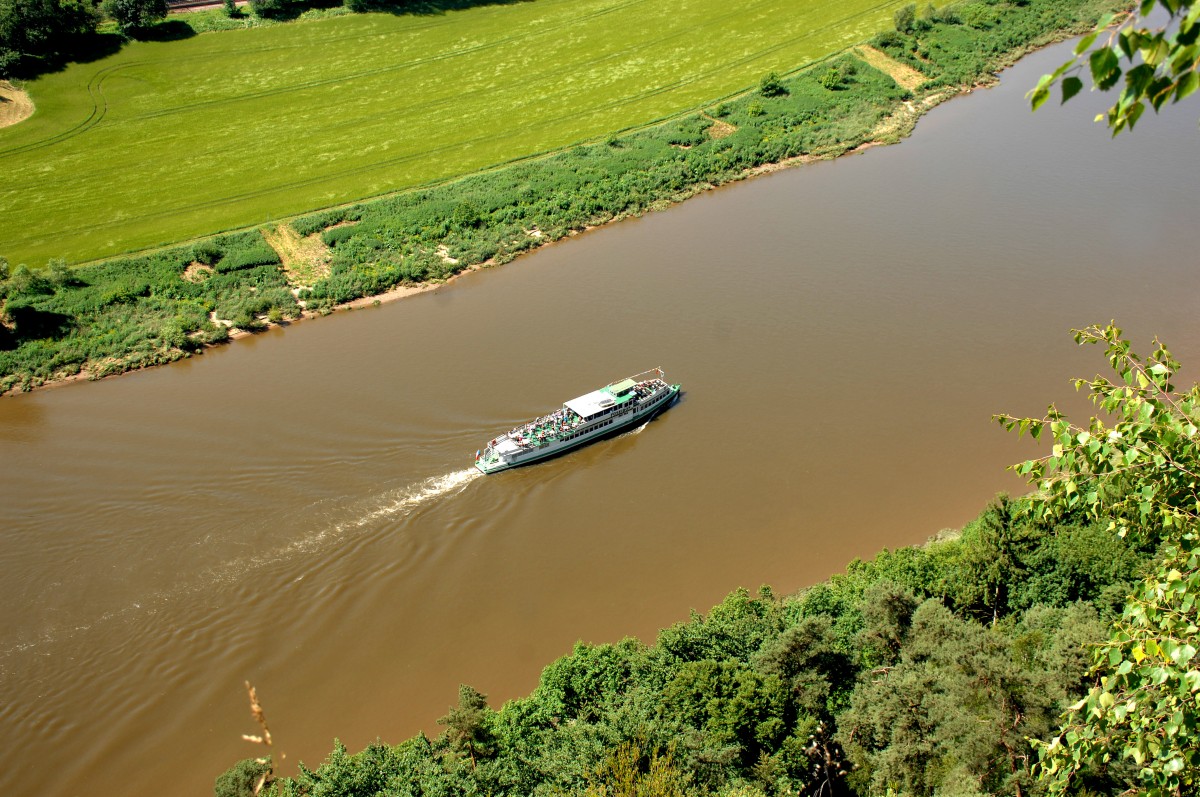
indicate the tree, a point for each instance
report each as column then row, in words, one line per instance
column 630, row 772
column 466, row 724
column 133, row 15
column 1140, row 471
column 36, row 32
column 994, row 549
column 242, row 779
column 269, row 9
column 955, row 709
column 771, row 85
column 905, row 17
column 1157, row 63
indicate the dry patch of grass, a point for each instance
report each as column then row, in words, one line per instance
column 305, row 260
column 719, row 129
column 15, row 105
column 905, row 76
column 197, row 272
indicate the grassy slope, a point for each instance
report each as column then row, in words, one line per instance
column 168, row 141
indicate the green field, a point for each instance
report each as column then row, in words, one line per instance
column 166, row 141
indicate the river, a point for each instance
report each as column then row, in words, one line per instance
column 298, row 509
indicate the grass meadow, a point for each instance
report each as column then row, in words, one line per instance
column 166, row 141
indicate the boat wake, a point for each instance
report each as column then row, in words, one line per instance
column 407, row 499
column 632, row 432
column 398, row 503
column 395, row 504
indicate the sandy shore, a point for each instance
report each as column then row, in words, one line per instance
column 15, row 104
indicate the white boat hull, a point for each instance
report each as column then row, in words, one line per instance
column 609, row 426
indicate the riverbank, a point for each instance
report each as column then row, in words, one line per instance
column 797, row 694
column 130, row 313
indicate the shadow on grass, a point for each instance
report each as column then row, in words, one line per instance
column 82, row 49
column 425, row 7
column 86, row 48
column 291, row 10
column 172, row 30
column 30, row 323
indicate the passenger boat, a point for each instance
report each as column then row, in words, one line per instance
column 594, row 415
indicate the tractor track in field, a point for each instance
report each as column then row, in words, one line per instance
column 384, row 70
column 540, row 78
column 95, row 89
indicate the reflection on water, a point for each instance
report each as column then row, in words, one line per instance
column 299, row 510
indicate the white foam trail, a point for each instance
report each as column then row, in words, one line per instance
column 401, row 502
column 413, row 496
column 398, row 502
column 634, row 431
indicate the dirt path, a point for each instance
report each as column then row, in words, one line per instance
column 15, row 105
column 905, row 76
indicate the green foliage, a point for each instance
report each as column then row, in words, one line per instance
column 629, row 772
column 771, row 85
column 466, row 725
column 1136, row 467
column 241, row 779
column 36, row 35
column 870, row 681
column 905, row 17
column 119, row 315
column 1158, row 63
column 133, row 15
column 960, row 702
column 839, row 75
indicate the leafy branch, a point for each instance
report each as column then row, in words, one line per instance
column 1157, row 63
column 1139, row 470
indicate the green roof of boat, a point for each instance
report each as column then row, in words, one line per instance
column 624, row 386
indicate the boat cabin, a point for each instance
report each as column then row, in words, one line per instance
column 598, row 403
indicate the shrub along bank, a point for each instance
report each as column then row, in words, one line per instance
column 920, row 672
column 131, row 312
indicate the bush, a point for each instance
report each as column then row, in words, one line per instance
column 239, row 780
column 771, row 86
column 269, row 9
column 135, row 14
column 905, row 17
column 336, row 235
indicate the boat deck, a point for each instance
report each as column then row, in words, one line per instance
column 578, row 421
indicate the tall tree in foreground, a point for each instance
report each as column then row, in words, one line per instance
column 1141, row 471
column 1157, row 63
column 466, row 725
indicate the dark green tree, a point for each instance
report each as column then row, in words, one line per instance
column 35, row 34
column 905, row 17
column 771, row 85
column 466, row 724
column 241, row 779
column 957, row 708
column 134, row 15
column 994, row 553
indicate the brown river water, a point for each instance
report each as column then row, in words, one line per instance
column 298, row 509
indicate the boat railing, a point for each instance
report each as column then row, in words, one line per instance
column 645, row 376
